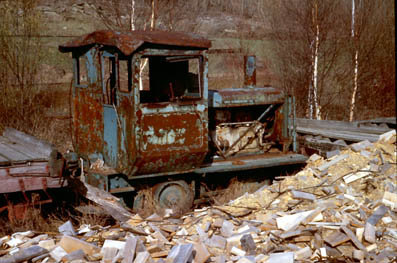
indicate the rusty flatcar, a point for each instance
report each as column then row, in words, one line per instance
column 141, row 104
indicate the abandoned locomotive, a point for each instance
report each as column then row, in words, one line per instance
column 142, row 105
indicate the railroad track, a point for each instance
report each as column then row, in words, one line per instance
column 328, row 135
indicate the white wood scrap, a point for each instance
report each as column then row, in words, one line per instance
column 289, row 222
column 353, row 177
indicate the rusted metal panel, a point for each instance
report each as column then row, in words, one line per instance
column 173, row 138
column 244, row 97
column 127, row 151
column 128, row 42
column 87, row 122
column 249, row 71
column 278, row 128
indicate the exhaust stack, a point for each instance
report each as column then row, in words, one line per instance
column 249, row 71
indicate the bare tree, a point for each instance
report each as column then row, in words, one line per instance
column 305, row 49
column 20, row 59
column 370, row 29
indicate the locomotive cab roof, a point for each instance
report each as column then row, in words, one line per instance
column 129, row 42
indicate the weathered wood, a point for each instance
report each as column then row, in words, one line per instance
column 32, row 169
column 353, row 238
column 24, row 149
column 29, row 184
column 336, row 134
column 12, row 155
column 336, row 238
column 340, row 126
column 24, row 254
column 107, row 201
column 41, row 146
column 321, row 145
column 334, row 161
column 389, row 120
column 18, row 147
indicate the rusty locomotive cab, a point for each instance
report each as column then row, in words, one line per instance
column 141, row 104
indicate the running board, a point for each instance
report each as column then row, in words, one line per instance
column 253, row 162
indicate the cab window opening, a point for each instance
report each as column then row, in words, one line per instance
column 170, row 78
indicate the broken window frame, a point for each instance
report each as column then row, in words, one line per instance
column 77, row 61
column 90, row 57
column 116, row 61
column 109, row 94
column 181, row 56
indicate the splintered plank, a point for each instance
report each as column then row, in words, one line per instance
column 107, row 201
column 353, row 238
column 336, row 238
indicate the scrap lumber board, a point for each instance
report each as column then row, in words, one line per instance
column 387, row 120
column 337, row 134
column 106, row 200
column 341, row 126
column 18, row 147
column 322, row 144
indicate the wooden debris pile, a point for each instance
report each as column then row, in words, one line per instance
column 340, row 209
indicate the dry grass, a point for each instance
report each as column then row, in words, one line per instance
column 34, row 118
column 33, row 220
column 92, row 215
column 147, row 205
column 234, row 190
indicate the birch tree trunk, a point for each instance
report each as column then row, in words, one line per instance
column 309, row 99
column 153, row 17
column 313, row 89
column 132, row 16
column 355, row 73
column 315, row 75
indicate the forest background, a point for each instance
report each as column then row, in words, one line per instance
column 336, row 57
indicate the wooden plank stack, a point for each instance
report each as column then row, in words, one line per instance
column 328, row 135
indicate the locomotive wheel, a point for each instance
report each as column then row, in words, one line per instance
column 176, row 195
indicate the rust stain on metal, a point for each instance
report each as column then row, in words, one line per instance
column 277, row 133
column 245, row 97
column 172, row 142
column 162, row 132
column 128, row 42
column 88, row 122
column 127, row 146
